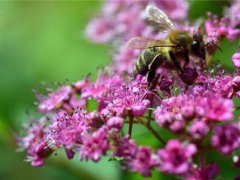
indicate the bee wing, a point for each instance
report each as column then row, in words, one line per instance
column 138, row 43
column 144, row 43
column 158, row 17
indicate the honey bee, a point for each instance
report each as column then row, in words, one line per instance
column 176, row 48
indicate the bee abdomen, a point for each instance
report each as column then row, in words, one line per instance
column 141, row 66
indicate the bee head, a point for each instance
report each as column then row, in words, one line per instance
column 197, row 41
column 198, row 46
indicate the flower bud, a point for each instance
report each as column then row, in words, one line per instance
column 236, row 83
column 115, row 123
column 189, row 75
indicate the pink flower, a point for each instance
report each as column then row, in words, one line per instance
column 226, row 138
column 101, row 86
column 79, row 85
column 136, row 159
column 215, row 28
column 176, row 10
column 169, row 113
column 223, row 84
column 68, row 131
column 75, row 101
column 176, row 157
column 165, row 85
column 236, row 60
column 124, row 60
column 115, row 123
column 126, row 98
column 198, row 129
column 207, row 172
column 94, row 146
column 233, row 13
column 215, row 108
column 236, row 85
column 35, row 143
column 226, row 86
column 54, row 99
column 143, row 161
column 188, row 111
column 39, row 154
column 100, row 30
column 176, row 112
column 126, row 148
column 113, row 23
column 70, row 153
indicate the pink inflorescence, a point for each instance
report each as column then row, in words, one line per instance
column 176, row 157
column 96, row 119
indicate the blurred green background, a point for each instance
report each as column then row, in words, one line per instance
column 44, row 41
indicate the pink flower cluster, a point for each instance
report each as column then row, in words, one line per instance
column 125, row 19
column 216, row 28
column 226, row 26
column 90, row 118
column 35, row 142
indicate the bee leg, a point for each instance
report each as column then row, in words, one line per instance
column 202, row 55
column 153, row 66
column 152, row 79
column 173, row 58
column 186, row 56
column 150, row 76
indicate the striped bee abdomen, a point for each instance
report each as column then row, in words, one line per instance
column 141, row 66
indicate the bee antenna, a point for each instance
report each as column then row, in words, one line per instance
column 217, row 46
column 166, row 46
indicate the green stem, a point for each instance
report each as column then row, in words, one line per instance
column 134, row 122
column 130, row 125
column 148, row 118
column 153, row 131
